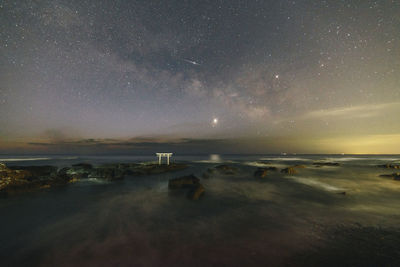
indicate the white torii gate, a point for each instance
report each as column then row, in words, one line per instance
column 160, row 155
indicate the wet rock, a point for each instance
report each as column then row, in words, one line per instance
column 394, row 176
column 299, row 166
column 226, row 169
column 110, row 174
column 261, row 173
column 341, row 193
column 18, row 179
column 196, row 192
column 210, row 172
column 64, row 172
column 84, row 166
column 320, row 164
column 28, row 178
column 189, row 184
column 263, row 162
column 2, row 166
column 390, row 166
column 37, row 172
column 289, row 170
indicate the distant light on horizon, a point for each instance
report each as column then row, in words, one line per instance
column 215, row 122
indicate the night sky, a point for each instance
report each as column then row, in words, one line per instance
column 200, row 76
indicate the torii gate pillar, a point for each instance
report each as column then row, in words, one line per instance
column 160, row 155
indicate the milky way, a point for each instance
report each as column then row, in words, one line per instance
column 294, row 76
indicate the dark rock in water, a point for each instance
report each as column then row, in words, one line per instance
column 341, row 193
column 18, row 179
column 320, row 164
column 292, row 169
column 390, row 166
column 110, row 174
column 85, row 166
column 196, row 192
column 183, row 182
column 289, row 170
column 37, row 171
column 261, row 172
column 3, row 167
column 209, row 173
column 123, row 166
column 29, row 178
column 64, row 173
column 394, row 176
column 226, row 169
column 263, row 162
column 299, row 166
column 190, row 183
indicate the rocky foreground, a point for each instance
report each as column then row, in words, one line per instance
column 17, row 179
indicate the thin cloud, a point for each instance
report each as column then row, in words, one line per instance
column 362, row 111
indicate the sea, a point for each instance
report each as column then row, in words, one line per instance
column 344, row 215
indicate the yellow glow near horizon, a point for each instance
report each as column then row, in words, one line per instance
column 369, row 144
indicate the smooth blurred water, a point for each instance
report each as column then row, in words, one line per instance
column 240, row 219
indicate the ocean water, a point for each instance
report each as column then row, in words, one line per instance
column 280, row 220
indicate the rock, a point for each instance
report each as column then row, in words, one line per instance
column 320, row 164
column 64, row 173
column 341, row 193
column 261, row 172
column 76, row 172
column 263, row 162
column 390, row 166
column 110, row 174
column 190, row 183
column 226, row 169
column 37, row 172
column 18, row 179
column 394, row 176
column 182, row 182
column 28, row 178
column 2, row 166
column 84, row 166
column 289, row 170
column 299, row 166
column 196, row 192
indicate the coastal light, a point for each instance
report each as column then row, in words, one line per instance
column 215, row 122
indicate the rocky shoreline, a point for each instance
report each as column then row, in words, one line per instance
column 19, row 179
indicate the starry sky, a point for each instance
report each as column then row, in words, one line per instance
column 225, row 76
